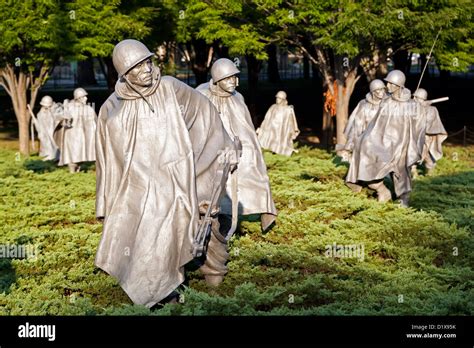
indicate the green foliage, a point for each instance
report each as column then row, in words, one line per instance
column 286, row 271
column 32, row 33
column 99, row 25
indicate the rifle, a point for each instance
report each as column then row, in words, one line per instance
column 438, row 100
column 205, row 229
column 33, row 124
column 428, row 59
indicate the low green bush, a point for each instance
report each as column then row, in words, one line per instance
column 414, row 261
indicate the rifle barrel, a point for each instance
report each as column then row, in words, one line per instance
column 439, row 100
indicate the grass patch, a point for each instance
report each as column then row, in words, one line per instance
column 424, row 253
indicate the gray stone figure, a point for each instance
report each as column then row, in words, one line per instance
column 160, row 148
column 389, row 145
column 45, row 123
column 279, row 127
column 75, row 132
column 430, row 131
column 250, row 179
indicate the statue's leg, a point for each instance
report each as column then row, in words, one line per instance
column 414, row 171
column 402, row 184
column 354, row 187
column 429, row 165
column 214, row 268
column 383, row 193
column 73, row 167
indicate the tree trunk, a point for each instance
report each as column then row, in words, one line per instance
column 401, row 60
column 305, row 67
column 253, row 66
column 345, row 90
column 198, row 59
column 112, row 75
column 85, row 73
column 273, row 73
column 16, row 85
column 24, row 132
column 327, row 130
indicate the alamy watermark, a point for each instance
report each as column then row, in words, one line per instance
column 345, row 251
column 18, row 251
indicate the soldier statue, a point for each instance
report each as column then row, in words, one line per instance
column 364, row 113
column 279, row 127
column 431, row 133
column 45, row 122
column 248, row 190
column 75, row 132
column 389, row 144
column 360, row 118
column 161, row 169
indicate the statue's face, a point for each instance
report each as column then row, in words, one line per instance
column 279, row 100
column 142, row 74
column 228, row 84
column 83, row 100
column 379, row 93
column 392, row 88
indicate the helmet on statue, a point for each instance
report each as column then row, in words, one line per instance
column 376, row 84
column 396, row 77
column 79, row 92
column 46, row 101
column 127, row 54
column 223, row 68
column 421, row 93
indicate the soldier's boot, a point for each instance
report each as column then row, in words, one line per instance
column 383, row 193
column 214, row 268
column 73, row 167
column 354, row 187
column 267, row 221
column 430, row 166
column 405, row 200
column 414, row 172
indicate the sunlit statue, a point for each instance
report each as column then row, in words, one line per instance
column 279, row 128
column 364, row 112
column 249, row 185
column 45, row 122
column 75, row 132
column 161, row 170
column 389, row 144
column 430, row 131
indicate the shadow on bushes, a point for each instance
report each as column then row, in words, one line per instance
column 449, row 195
column 40, row 166
column 7, row 275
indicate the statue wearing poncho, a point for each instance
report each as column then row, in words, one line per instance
column 389, row 145
column 279, row 127
column 363, row 114
column 46, row 121
column 431, row 132
column 254, row 193
column 158, row 148
column 75, row 132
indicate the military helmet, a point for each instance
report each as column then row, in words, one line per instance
column 281, row 94
column 127, row 54
column 223, row 68
column 79, row 92
column 421, row 93
column 396, row 77
column 46, row 101
column 376, row 84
